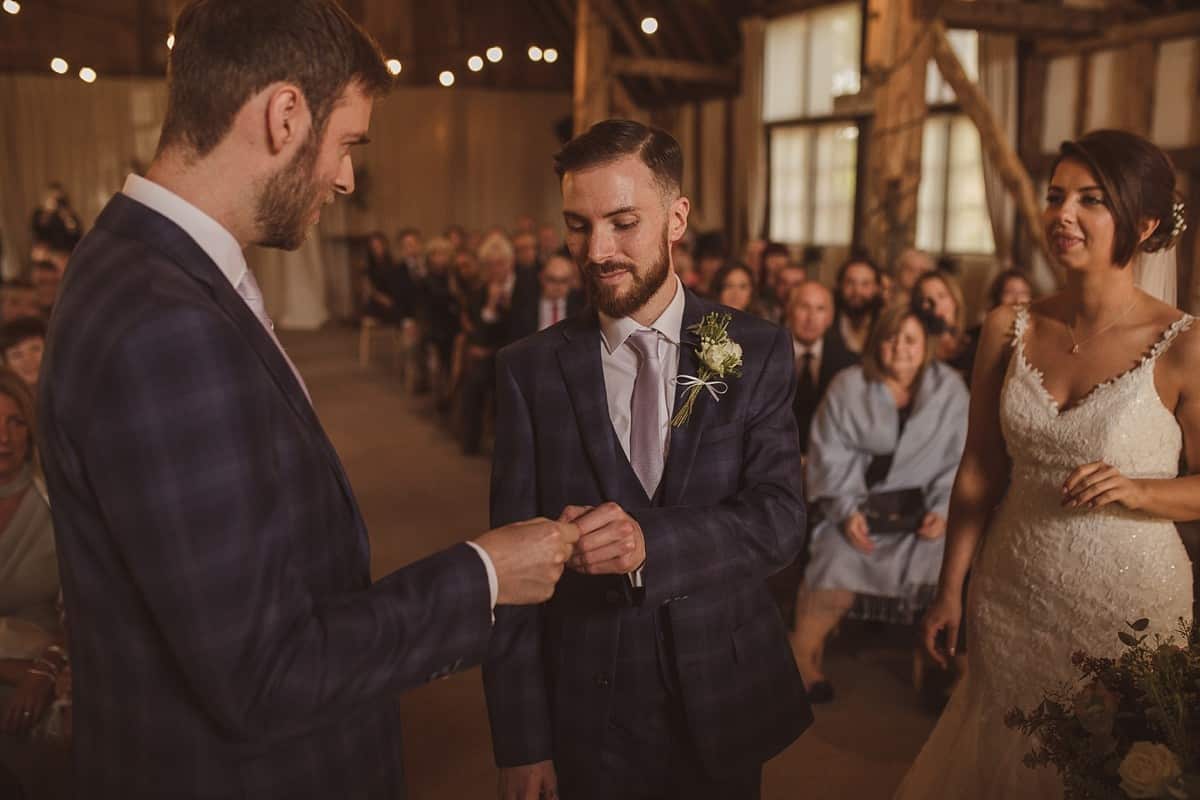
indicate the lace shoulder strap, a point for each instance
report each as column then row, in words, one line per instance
column 1020, row 325
column 1170, row 335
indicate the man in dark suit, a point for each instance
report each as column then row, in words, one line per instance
column 226, row 640
column 546, row 300
column 820, row 353
column 489, row 327
column 660, row 669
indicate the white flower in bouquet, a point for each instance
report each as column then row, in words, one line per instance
column 721, row 357
column 1149, row 771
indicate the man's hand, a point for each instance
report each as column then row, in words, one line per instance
column 529, row 782
column 529, row 558
column 610, row 541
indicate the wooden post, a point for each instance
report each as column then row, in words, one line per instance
column 593, row 52
column 1030, row 132
column 1135, row 101
column 996, row 147
column 897, row 54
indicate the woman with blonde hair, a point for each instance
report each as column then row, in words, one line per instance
column 938, row 299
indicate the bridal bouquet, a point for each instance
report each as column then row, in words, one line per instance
column 1130, row 728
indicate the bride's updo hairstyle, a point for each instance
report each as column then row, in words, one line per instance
column 1138, row 180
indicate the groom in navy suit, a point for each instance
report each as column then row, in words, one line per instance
column 226, row 639
column 660, row 668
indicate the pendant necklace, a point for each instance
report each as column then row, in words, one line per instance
column 1075, row 345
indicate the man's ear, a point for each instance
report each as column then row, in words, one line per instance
column 678, row 218
column 288, row 118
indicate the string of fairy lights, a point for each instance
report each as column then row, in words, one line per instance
column 475, row 63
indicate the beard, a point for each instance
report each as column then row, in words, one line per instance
column 609, row 300
column 859, row 310
column 287, row 200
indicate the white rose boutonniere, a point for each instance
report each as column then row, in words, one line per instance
column 1149, row 770
column 720, row 357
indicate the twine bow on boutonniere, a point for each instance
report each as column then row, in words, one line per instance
column 720, row 357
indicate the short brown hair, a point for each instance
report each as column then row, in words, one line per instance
column 955, row 290
column 887, row 327
column 227, row 50
column 1138, row 180
column 613, row 139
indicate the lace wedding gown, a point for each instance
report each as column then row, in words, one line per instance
column 1050, row 580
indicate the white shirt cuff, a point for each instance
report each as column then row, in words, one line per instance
column 635, row 578
column 493, row 579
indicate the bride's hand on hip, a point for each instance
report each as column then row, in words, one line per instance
column 944, row 615
column 1098, row 484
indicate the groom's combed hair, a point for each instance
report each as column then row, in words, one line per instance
column 228, row 50
column 614, row 139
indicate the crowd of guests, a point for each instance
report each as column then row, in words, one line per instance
column 883, row 359
column 35, row 686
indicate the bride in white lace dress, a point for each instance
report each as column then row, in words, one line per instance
column 1081, row 407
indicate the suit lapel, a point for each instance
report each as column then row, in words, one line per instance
column 685, row 440
column 583, row 373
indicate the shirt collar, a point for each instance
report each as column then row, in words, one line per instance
column 816, row 348
column 217, row 242
column 669, row 323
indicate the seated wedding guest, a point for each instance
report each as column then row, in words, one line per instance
column 441, row 310
column 819, row 355
column 488, row 331
column 18, row 299
column 938, row 300
column 1010, row 288
column 29, row 584
column 525, row 224
column 525, row 249
column 55, row 223
column 775, row 258
column 711, row 253
column 734, row 286
column 412, row 247
column 550, row 302
column 389, row 288
column 550, row 242
column 46, row 279
column 775, row 298
column 457, row 235
column 882, row 456
column 22, row 343
column 685, row 266
column 858, row 298
column 910, row 266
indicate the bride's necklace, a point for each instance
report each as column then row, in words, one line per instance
column 1075, row 345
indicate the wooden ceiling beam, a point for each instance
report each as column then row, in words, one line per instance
column 1168, row 26
column 673, row 69
column 1018, row 18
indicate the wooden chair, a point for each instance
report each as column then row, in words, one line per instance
column 366, row 336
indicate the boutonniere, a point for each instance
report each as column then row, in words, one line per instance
column 720, row 357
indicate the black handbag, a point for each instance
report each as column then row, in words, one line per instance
column 897, row 512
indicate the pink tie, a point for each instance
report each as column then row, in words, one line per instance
column 247, row 287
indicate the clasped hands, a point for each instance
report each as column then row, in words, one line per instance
column 610, row 541
column 858, row 532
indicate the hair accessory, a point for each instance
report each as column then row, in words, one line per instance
column 1180, row 220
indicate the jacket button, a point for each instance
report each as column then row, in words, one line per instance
column 602, row 681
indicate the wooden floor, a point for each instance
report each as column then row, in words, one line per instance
column 419, row 495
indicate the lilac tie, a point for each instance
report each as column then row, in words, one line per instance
column 247, row 287
column 645, row 436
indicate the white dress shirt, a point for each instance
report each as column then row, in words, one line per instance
column 817, row 349
column 224, row 250
column 621, row 365
column 546, row 312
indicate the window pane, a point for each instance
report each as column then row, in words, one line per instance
column 833, row 198
column 969, row 229
column 1101, row 94
column 834, row 59
column 1058, row 109
column 783, row 70
column 790, row 149
column 966, row 46
column 931, row 201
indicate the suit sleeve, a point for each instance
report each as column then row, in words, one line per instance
column 752, row 534
column 179, row 457
column 513, row 675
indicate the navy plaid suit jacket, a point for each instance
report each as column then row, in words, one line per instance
column 226, row 638
column 731, row 514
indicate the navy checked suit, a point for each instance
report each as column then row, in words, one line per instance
column 729, row 513
column 226, row 639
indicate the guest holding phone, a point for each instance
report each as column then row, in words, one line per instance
column 883, row 452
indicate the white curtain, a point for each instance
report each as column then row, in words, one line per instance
column 998, row 82
column 750, row 194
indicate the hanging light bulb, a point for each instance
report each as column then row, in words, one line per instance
column 549, row 55
column 650, row 26
column 495, row 54
column 446, row 78
column 394, row 66
column 535, row 53
column 475, row 63
column 60, row 66
column 87, row 75
column 12, row 6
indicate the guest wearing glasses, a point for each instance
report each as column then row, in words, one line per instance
column 547, row 301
